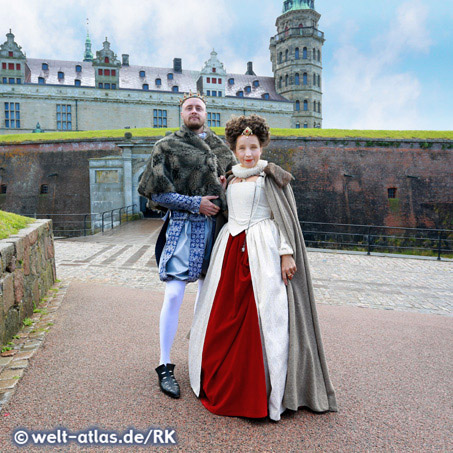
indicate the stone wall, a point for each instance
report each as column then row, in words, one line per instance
column 27, row 271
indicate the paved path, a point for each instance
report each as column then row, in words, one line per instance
column 392, row 370
column 126, row 257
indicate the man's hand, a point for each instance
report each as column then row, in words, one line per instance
column 208, row 208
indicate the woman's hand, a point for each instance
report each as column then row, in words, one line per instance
column 288, row 268
column 223, row 182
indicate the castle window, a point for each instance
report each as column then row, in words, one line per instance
column 10, row 54
column 220, row 94
column 145, row 86
column 286, row 54
column 4, row 80
column 256, row 83
column 78, row 68
column 17, row 67
column 175, row 89
column 19, row 81
column 107, row 86
column 314, row 79
column 297, row 106
column 44, row 189
column 297, row 125
column 100, row 85
column 305, row 105
column 391, row 192
column 280, row 82
column 319, row 81
column 100, row 72
column 106, row 60
column 158, row 82
column 280, row 57
column 208, row 79
column 296, row 79
column 305, row 125
column 240, row 94
column 160, row 118
column 248, row 89
column 60, row 75
column 231, row 81
column 314, row 54
column 304, row 53
column 213, row 69
column 219, row 81
column 315, row 106
column 77, row 82
column 11, row 66
column 41, row 80
column 305, row 78
column 208, row 92
column 170, row 76
column 64, row 117
column 214, row 80
column 3, row 188
column 296, row 53
column 12, row 81
column 12, row 115
column 319, row 107
column 142, row 73
column 113, row 86
column 45, row 67
column 113, row 72
column 3, row 65
column 266, row 96
column 319, row 55
column 214, row 93
column 213, row 119
column 107, row 72
column 286, row 80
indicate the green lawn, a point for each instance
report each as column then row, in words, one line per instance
column 12, row 223
column 151, row 132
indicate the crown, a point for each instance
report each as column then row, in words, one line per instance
column 190, row 95
column 247, row 131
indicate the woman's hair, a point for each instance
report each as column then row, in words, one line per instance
column 236, row 126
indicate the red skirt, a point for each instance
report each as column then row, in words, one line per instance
column 232, row 370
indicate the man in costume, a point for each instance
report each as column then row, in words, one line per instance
column 184, row 177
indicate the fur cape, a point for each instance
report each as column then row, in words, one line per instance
column 184, row 163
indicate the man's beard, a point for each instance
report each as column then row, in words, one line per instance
column 194, row 125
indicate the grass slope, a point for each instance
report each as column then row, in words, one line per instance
column 151, row 132
column 12, row 223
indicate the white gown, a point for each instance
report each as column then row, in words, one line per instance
column 249, row 210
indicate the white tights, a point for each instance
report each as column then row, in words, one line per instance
column 169, row 315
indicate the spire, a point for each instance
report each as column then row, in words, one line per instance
column 291, row 5
column 88, row 55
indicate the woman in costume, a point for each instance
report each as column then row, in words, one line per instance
column 255, row 345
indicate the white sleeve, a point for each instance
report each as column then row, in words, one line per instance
column 285, row 248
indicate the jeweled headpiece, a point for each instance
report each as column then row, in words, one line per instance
column 247, row 131
column 190, row 95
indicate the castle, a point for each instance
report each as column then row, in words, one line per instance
column 103, row 92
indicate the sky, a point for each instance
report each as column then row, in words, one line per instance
column 387, row 64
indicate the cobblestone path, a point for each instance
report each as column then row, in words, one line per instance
column 125, row 257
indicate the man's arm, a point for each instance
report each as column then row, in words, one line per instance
column 196, row 204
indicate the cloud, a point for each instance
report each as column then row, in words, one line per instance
column 364, row 90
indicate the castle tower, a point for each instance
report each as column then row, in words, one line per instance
column 296, row 61
column 107, row 68
column 13, row 62
column 88, row 55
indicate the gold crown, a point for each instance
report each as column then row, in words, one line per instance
column 190, row 95
column 247, row 131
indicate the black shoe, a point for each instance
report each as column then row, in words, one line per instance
column 167, row 381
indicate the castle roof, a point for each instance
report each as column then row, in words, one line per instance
column 129, row 78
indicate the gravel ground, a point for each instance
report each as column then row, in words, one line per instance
column 392, row 371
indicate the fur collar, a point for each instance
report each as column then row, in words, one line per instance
column 281, row 177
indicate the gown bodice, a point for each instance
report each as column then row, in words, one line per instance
column 247, row 205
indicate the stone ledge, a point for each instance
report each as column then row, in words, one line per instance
column 27, row 271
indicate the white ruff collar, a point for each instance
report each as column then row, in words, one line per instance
column 242, row 172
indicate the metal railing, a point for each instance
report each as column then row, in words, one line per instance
column 84, row 224
column 376, row 238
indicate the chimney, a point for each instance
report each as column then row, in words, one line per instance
column 177, row 65
column 250, row 68
column 125, row 58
